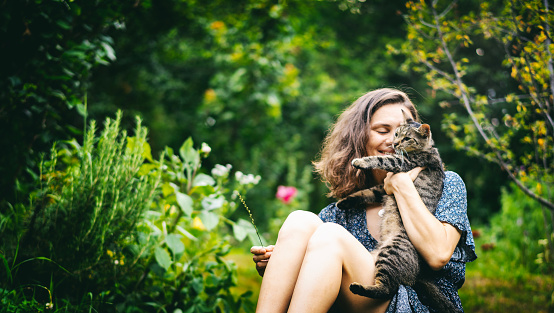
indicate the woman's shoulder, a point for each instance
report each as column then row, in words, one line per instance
column 453, row 178
column 453, row 183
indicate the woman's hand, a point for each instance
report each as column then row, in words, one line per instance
column 395, row 181
column 261, row 257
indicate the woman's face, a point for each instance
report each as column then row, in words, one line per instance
column 382, row 126
column 381, row 131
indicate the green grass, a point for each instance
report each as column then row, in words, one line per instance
column 485, row 293
column 248, row 278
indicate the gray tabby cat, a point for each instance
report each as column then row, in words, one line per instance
column 397, row 261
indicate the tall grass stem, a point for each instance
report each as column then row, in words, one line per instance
column 251, row 217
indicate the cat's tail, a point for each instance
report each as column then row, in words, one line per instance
column 431, row 295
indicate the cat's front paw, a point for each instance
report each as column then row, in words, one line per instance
column 360, row 163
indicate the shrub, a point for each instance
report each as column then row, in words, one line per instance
column 111, row 229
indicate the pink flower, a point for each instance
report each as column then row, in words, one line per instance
column 285, row 193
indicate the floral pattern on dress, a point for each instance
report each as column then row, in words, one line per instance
column 452, row 209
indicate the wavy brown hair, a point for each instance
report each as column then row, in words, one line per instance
column 347, row 139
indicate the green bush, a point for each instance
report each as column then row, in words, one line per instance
column 111, row 229
column 89, row 199
column 517, row 238
column 179, row 255
column 514, row 270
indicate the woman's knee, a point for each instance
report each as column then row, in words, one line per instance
column 299, row 224
column 329, row 237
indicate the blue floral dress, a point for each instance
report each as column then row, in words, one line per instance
column 452, row 208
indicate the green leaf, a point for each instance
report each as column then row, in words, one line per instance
column 212, row 203
column 185, row 202
column 197, row 284
column 202, row 190
column 147, row 152
column 203, row 180
column 8, row 271
column 147, row 168
column 163, row 258
column 243, row 228
column 189, row 154
column 239, row 231
column 175, row 244
column 110, row 53
column 63, row 24
column 82, row 109
column 209, row 219
column 186, row 233
column 167, row 189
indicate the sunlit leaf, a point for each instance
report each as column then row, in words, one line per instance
column 175, row 244
column 203, row 180
column 189, row 154
column 212, row 203
column 167, row 189
column 163, row 258
column 209, row 219
column 185, row 202
column 185, row 233
column 241, row 229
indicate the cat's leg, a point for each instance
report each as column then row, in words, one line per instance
column 284, row 265
column 362, row 198
column 391, row 163
column 397, row 264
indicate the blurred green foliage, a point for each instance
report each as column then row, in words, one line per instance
column 48, row 48
column 260, row 81
column 515, row 266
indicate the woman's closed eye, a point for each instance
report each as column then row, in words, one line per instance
column 382, row 131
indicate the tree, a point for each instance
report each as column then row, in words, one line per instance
column 507, row 113
column 511, row 128
column 49, row 49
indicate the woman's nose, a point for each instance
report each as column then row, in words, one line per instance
column 389, row 140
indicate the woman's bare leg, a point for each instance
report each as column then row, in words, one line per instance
column 334, row 259
column 284, row 265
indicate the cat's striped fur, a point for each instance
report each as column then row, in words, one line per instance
column 397, row 261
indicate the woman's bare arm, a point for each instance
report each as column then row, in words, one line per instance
column 434, row 240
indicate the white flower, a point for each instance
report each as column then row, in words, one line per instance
column 221, row 171
column 205, row 149
column 247, row 179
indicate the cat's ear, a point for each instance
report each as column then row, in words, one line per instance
column 425, row 130
column 407, row 118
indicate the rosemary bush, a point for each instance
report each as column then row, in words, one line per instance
column 93, row 199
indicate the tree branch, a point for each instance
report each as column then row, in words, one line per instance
column 466, row 101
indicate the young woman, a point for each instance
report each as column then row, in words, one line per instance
column 316, row 258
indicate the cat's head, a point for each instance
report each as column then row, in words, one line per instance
column 412, row 136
